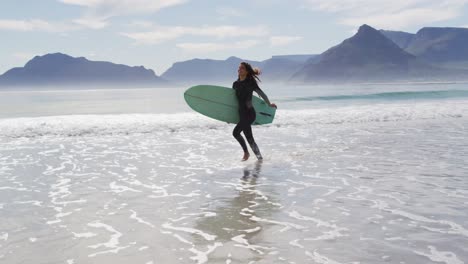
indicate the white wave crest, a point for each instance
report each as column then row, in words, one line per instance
column 82, row 125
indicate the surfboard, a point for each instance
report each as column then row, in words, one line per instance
column 220, row 103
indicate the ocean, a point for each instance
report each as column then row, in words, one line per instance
column 351, row 174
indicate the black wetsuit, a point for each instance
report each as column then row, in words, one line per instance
column 244, row 92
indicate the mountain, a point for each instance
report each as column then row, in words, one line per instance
column 402, row 39
column 440, row 44
column 59, row 69
column 196, row 71
column 446, row 47
column 432, row 54
column 369, row 56
column 278, row 69
column 281, row 67
column 204, row 70
column 296, row 58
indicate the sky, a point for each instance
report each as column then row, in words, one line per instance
column 158, row 33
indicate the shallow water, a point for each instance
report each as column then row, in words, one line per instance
column 378, row 182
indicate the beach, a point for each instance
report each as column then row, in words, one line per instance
column 360, row 175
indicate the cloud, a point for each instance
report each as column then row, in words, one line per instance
column 227, row 12
column 402, row 19
column 396, row 14
column 142, row 24
column 162, row 34
column 35, row 25
column 99, row 11
column 283, row 40
column 210, row 47
column 91, row 22
column 109, row 8
column 156, row 36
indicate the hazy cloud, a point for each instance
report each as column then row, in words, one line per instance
column 99, row 11
column 142, row 24
column 397, row 14
column 35, row 25
column 228, row 12
column 283, row 40
column 162, row 34
column 109, row 8
column 91, row 22
column 213, row 47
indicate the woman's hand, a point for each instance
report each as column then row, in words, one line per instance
column 273, row 105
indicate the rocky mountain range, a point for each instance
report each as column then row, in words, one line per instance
column 277, row 68
column 431, row 54
column 370, row 56
column 59, row 69
column 434, row 45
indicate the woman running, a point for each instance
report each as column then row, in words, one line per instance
column 245, row 85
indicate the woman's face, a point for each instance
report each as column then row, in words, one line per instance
column 242, row 71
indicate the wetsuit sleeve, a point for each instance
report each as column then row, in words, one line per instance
column 262, row 94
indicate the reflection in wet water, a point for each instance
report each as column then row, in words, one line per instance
column 235, row 225
column 255, row 172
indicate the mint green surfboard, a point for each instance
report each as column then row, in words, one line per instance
column 221, row 104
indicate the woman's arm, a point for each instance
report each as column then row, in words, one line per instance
column 263, row 95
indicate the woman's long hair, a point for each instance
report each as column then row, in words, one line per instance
column 252, row 72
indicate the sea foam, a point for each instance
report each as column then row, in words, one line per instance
column 125, row 124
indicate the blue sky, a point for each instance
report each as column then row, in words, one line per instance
column 156, row 34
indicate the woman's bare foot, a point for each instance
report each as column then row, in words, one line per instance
column 246, row 156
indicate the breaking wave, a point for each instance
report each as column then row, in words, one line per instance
column 390, row 96
column 125, row 124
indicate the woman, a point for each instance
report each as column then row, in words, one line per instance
column 244, row 86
